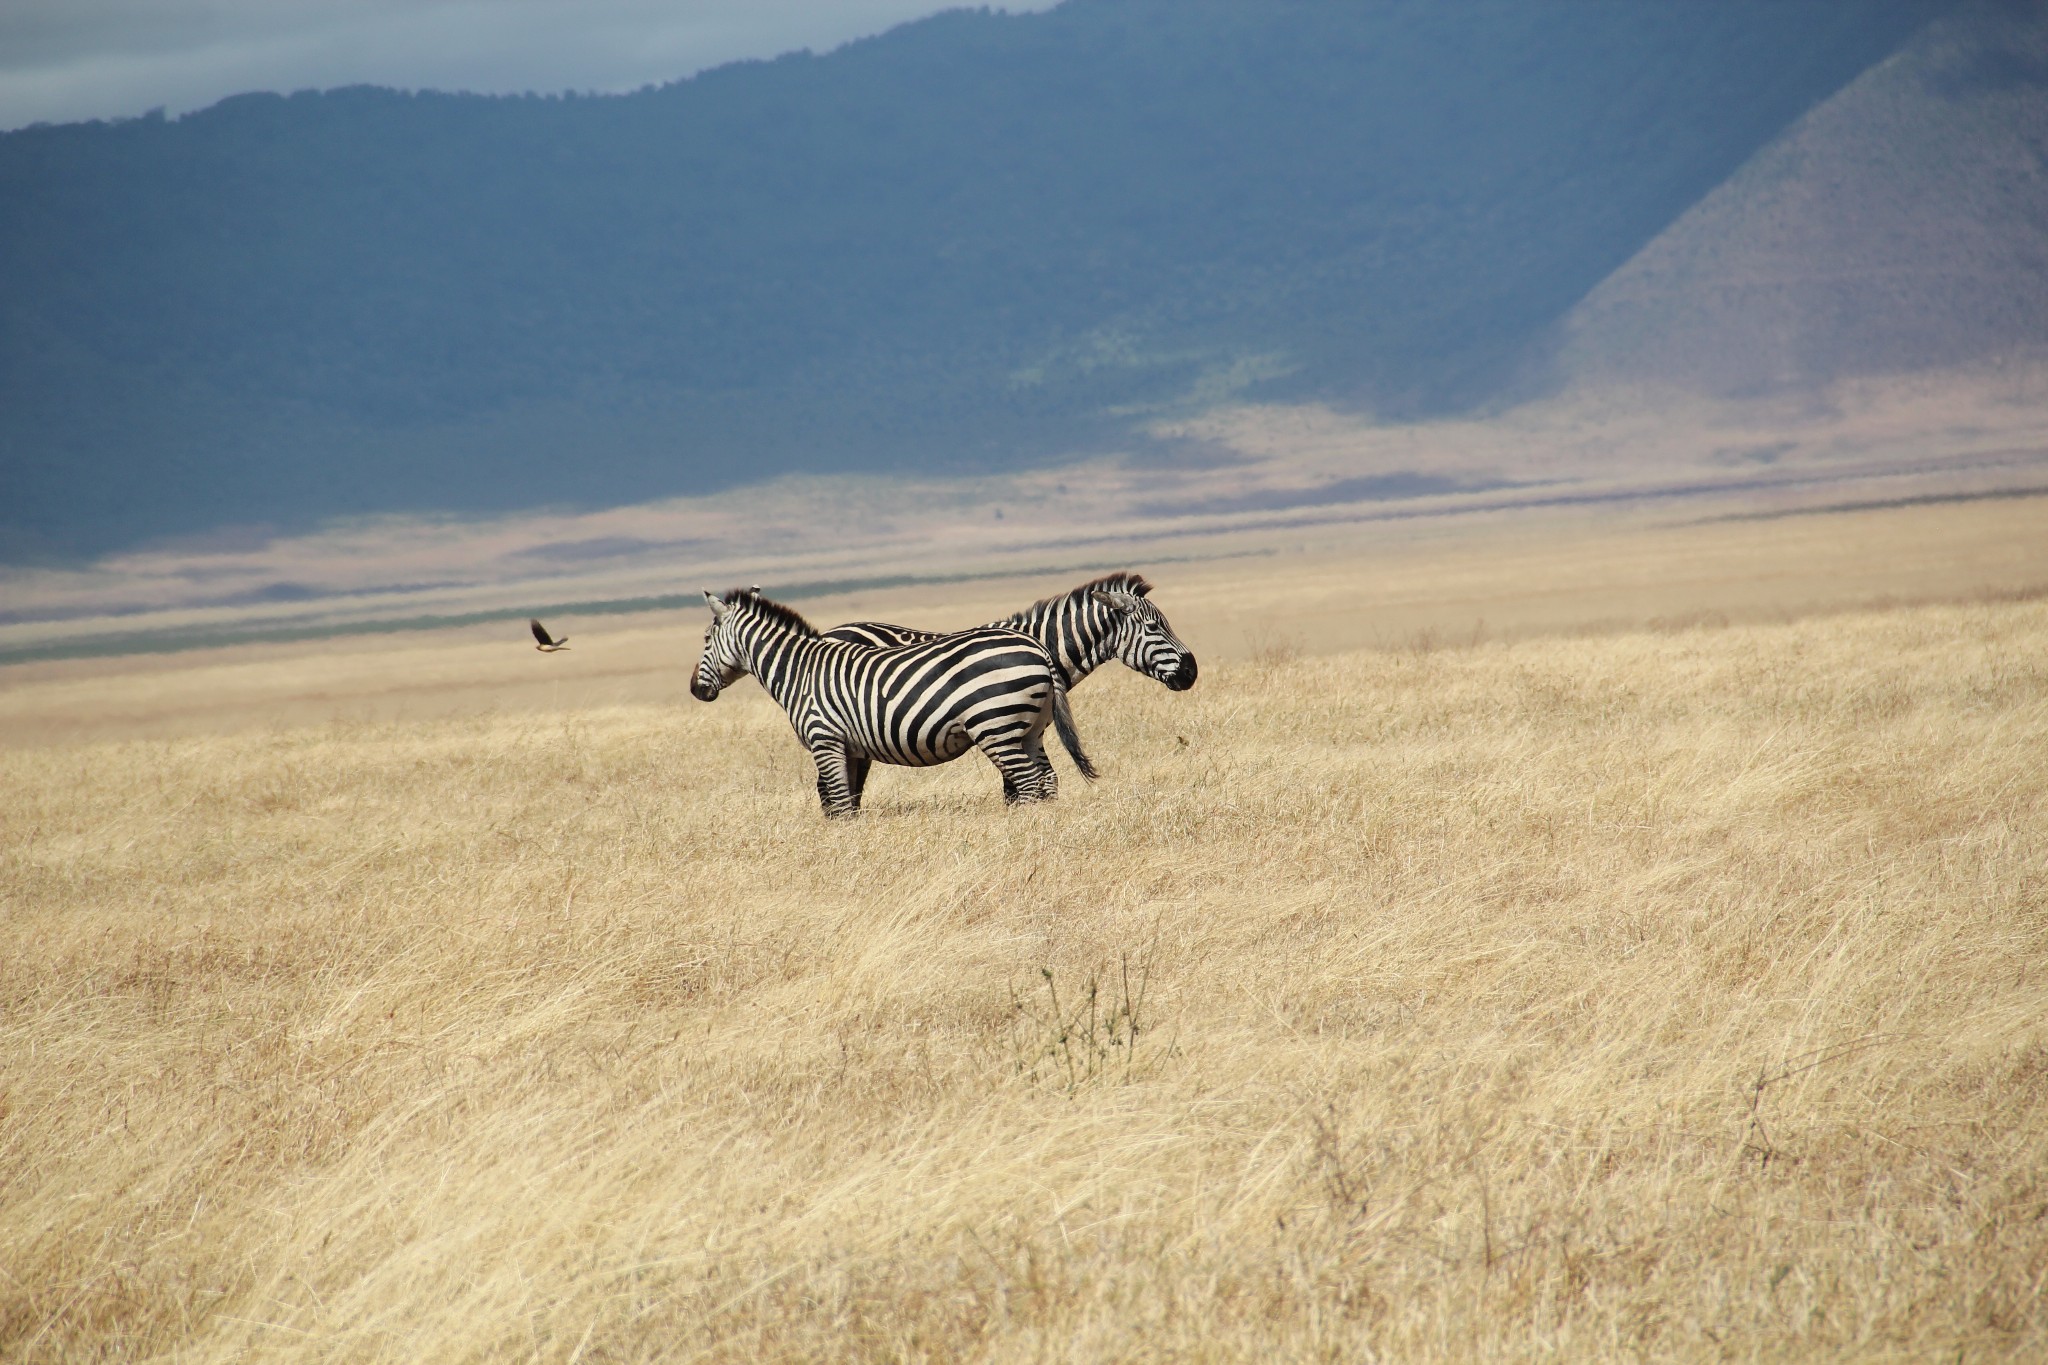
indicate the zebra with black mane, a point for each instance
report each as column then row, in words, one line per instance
column 916, row 704
column 1081, row 629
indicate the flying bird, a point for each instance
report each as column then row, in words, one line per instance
column 547, row 644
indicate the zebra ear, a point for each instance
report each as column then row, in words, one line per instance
column 754, row 590
column 716, row 603
column 1122, row 601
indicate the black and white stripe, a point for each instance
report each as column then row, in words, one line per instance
column 916, row 704
column 1081, row 629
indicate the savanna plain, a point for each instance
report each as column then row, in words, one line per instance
column 1670, row 988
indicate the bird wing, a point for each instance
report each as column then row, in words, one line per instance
column 540, row 632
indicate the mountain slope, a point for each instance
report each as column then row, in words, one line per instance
column 977, row 239
column 1900, row 226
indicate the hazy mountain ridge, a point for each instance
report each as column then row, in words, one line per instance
column 1899, row 227
column 976, row 239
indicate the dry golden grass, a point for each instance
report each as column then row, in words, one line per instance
column 1673, row 995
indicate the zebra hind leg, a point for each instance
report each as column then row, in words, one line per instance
column 1028, row 775
column 1046, row 778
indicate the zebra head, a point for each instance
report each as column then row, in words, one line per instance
column 722, row 662
column 1145, row 642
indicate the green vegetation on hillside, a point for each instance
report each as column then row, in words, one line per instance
column 976, row 238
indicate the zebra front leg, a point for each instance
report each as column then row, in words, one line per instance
column 837, row 792
column 857, row 766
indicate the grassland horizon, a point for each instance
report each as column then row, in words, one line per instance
column 1669, row 993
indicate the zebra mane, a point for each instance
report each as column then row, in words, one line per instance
column 1122, row 580
column 773, row 610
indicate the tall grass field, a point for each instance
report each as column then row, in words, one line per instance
column 1673, row 995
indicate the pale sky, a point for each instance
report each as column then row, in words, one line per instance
column 66, row 60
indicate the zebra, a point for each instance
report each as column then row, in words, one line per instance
column 916, row 705
column 1105, row 618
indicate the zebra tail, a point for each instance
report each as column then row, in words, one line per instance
column 1063, row 721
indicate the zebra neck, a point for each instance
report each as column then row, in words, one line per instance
column 1079, row 636
column 783, row 662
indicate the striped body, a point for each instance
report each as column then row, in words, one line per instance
column 915, row 705
column 1082, row 629
column 1105, row 618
